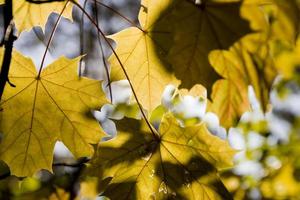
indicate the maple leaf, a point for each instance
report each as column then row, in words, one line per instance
column 248, row 61
column 2, row 2
column 199, row 29
column 40, row 111
column 240, row 68
column 26, row 14
column 181, row 164
column 138, row 52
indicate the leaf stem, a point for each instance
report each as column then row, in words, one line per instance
column 81, row 29
column 119, row 14
column 102, row 52
column 51, row 38
column 153, row 131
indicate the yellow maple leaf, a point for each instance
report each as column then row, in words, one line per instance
column 247, row 62
column 26, row 14
column 2, row 2
column 199, row 29
column 40, row 111
column 142, row 53
column 240, row 68
column 180, row 163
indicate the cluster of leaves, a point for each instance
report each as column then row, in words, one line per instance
column 224, row 45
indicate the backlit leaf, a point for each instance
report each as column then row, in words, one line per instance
column 181, row 164
column 143, row 52
column 248, row 62
column 199, row 29
column 27, row 15
column 286, row 25
column 40, row 111
column 241, row 68
column 288, row 62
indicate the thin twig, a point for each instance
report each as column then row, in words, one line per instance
column 81, row 29
column 153, row 131
column 119, row 14
column 51, row 38
column 79, row 163
column 43, row 1
column 102, row 52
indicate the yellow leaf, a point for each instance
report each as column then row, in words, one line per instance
column 241, row 68
column 59, row 194
column 143, row 53
column 248, row 61
column 287, row 20
column 283, row 185
column 196, row 91
column 2, row 2
column 258, row 13
column 182, row 163
column 199, row 29
column 288, row 62
column 40, row 111
column 281, row 17
column 27, row 15
column 89, row 189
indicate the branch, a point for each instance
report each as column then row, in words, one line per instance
column 153, row 131
column 43, row 1
column 79, row 163
column 7, row 41
column 79, row 167
column 4, row 176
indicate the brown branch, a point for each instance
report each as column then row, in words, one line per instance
column 79, row 163
column 7, row 41
column 102, row 52
column 153, row 131
column 43, row 1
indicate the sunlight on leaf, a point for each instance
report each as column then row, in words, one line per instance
column 40, row 111
column 59, row 194
column 248, row 61
column 287, row 24
column 27, row 15
column 137, row 49
column 182, row 164
column 199, row 29
column 288, row 62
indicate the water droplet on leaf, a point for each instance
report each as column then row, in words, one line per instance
column 152, row 173
column 163, row 188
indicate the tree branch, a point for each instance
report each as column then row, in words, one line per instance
column 43, row 1
column 7, row 41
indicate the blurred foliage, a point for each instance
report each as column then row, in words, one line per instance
column 261, row 48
